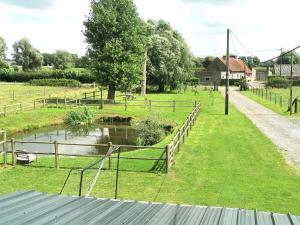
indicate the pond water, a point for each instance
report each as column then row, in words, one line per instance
column 121, row 134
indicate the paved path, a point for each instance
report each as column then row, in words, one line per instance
column 281, row 130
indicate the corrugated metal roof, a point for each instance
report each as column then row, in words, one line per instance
column 34, row 208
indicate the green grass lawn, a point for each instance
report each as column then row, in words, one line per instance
column 12, row 94
column 274, row 93
column 226, row 161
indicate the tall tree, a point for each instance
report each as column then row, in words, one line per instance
column 208, row 60
column 83, row 62
column 170, row 61
column 3, row 51
column 26, row 55
column 63, row 60
column 48, row 59
column 115, row 35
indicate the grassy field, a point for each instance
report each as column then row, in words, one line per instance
column 226, row 161
column 270, row 102
column 11, row 94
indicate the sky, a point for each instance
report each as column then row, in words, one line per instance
column 258, row 27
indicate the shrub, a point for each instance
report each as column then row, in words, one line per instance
column 243, row 85
column 278, row 82
column 55, row 82
column 149, row 132
column 81, row 75
column 81, row 116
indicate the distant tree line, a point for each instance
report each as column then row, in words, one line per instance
column 30, row 58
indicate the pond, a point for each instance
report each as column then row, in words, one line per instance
column 117, row 133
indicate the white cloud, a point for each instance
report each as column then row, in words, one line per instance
column 258, row 24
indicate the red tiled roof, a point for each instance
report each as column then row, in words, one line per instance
column 236, row 65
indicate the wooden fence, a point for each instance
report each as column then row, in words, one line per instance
column 168, row 151
column 22, row 106
column 3, row 142
column 179, row 138
column 275, row 98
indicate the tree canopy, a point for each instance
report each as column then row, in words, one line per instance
column 251, row 61
column 26, row 55
column 170, row 60
column 116, row 39
column 3, row 51
column 63, row 60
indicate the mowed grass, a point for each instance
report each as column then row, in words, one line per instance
column 270, row 102
column 226, row 161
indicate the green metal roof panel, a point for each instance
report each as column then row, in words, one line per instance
column 36, row 208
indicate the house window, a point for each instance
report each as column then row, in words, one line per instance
column 207, row 78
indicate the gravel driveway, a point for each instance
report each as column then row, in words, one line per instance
column 281, row 130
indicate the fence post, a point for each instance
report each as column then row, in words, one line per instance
column 174, row 105
column 4, row 149
column 57, row 103
column 34, row 104
column 125, row 103
column 80, row 183
column 20, row 107
column 168, row 158
column 44, row 102
column 179, row 137
column 296, row 105
column 109, row 157
column 4, row 110
column 280, row 101
column 150, row 104
column 65, row 101
column 13, row 149
column 84, row 95
column 56, row 155
column 275, row 99
column 94, row 95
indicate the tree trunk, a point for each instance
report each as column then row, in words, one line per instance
column 111, row 93
column 144, row 81
column 161, row 88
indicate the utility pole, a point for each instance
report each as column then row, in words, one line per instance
column 227, row 76
column 144, row 81
column 291, row 86
column 280, row 61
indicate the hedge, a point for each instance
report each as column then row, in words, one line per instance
column 81, row 75
column 55, row 82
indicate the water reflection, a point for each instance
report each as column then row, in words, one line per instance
column 99, row 134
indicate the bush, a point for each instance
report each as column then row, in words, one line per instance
column 278, row 82
column 55, row 82
column 81, row 116
column 149, row 132
column 81, row 75
column 243, row 85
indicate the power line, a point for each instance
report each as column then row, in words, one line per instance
column 282, row 54
column 246, row 49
